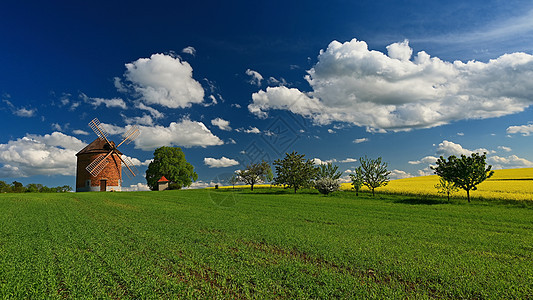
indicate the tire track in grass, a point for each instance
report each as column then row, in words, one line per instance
column 369, row 275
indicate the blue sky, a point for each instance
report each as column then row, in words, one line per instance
column 233, row 83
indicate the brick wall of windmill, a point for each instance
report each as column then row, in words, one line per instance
column 111, row 173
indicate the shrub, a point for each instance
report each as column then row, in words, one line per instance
column 327, row 185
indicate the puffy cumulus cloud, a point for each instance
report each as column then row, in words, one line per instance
column 447, row 148
column 256, row 78
column 164, row 80
column 367, row 88
column 153, row 112
column 509, row 162
column 399, row 174
column 189, row 50
column 221, row 123
column 222, row 162
column 525, row 130
column 136, row 188
column 50, row 154
column 185, row 133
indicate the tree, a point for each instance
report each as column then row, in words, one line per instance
column 5, row 187
column 171, row 163
column 328, row 171
column 294, row 171
column 465, row 172
column 255, row 173
column 234, row 179
column 446, row 187
column 357, row 180
column 18, row 187
column 326, row 185
column 374, row 173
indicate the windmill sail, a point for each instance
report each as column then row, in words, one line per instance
column 129, row 166
column 95, row 167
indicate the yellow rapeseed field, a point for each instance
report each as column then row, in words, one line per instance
column 511, row 184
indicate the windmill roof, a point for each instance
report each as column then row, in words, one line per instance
column 163, row 179
column 97, row 146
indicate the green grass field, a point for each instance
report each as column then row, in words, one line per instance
column 266, row 244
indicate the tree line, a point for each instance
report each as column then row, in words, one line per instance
column 294, row 171
column 17, row 187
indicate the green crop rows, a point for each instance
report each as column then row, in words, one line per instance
column 266, row 244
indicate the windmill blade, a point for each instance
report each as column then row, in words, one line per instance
column 95, row 167
column 100, row 132
column 130, row 135
column 129, row 165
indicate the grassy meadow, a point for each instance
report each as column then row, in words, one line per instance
column 267, row 244
column 510, row 184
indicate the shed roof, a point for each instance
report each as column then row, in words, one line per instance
column 163, row 179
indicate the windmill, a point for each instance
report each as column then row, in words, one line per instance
column 100, row 163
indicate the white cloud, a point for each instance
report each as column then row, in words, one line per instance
column 525, row 130
column 24, row 112
column 256, row 77
column 425, row 160
column 504, row 148
column 400, row 51
column 251, row 129
column 348, row 160
column 185, row 133
column 136, row 162
column 509, row 162
column 367, row 88
column 460, row 134
column 136, row 188
column 361, row 140
column 221, row 123
column 399, row 174
column 50, row 154
column 80, row 132
column 164, row 80
column 115, row 102
column 144, row 120
column 189, row 50
column 318, row 161
column 447, row 148
column 331, row 131
column 222, row 162
column 153, row 112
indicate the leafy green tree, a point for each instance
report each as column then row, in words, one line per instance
column 18, row 187
column 171, row 163
column 294, row 171
column 328, row 171
column 446, row 187
column 4, row 187
column 33, row 188
column 357, row 180
column 374, row 173
column 255, row 173
column 465, row 172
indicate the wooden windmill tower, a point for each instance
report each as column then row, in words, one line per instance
column 99, row 166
